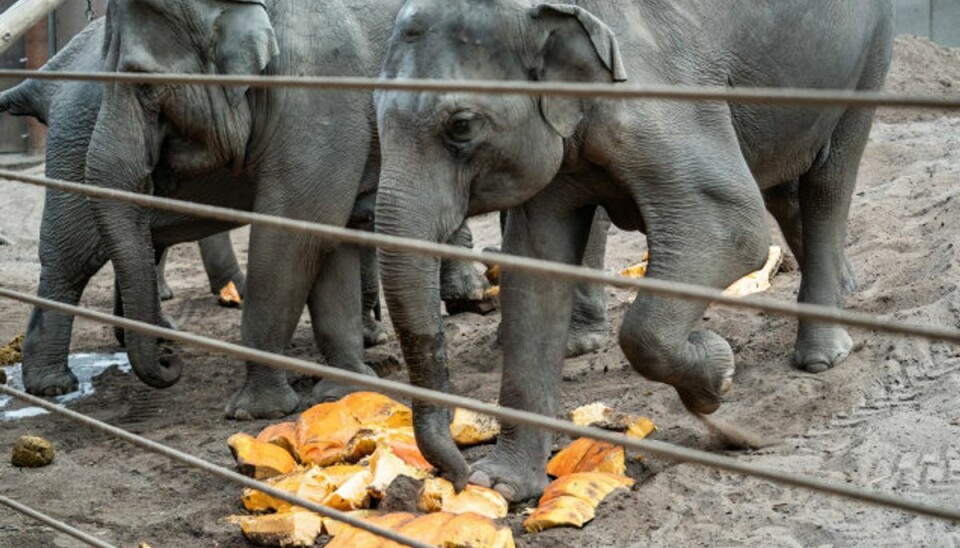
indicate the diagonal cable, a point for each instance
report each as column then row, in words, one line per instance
column 527, row 265
column 743, row 95
column 212, row 469
column 504, row 414
column 53, row 522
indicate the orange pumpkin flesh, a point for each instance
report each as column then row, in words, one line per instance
column 259, row 460
column 283, row 435
column 323, row 432
column 587, row 455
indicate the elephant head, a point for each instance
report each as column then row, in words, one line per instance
column 184, row 130
column 447, row 156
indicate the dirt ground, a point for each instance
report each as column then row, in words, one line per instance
column 888, row 418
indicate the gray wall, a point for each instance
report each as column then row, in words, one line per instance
column 936, row 19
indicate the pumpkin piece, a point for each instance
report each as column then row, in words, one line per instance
column 338, row 474
column 470, row 428
column 478, row 500
column 386, row 467
column 591, row 414
column 492, row 293
column 352, row 495
column 229, row 296
column 433, row 493
column 307, row 484
column 638, row 270
column 587, row 455
column 405, row 447
column 757, row 281
column 373, row 409
column 284, row 435
column 564, row 510
column 470, row 530
column 493, row 274
column 427, row 528
column 362, row 445
column 351, row 537
column 286, row 529
column 257, row 459
column 333, row 527
column 592, row 487
column 323, row 432
column 641, row 427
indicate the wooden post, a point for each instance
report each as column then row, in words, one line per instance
column 37, row 54
column 20, row 17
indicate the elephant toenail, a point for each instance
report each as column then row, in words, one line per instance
column 507, row 490
column 726, row 385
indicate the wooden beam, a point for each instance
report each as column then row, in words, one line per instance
column 20, row 17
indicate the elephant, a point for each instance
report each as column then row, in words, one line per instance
column 696, row 177
column 270, row 151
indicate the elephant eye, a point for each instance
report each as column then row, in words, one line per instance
column 463, row 127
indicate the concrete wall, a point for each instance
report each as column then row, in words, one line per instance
column 938, row 20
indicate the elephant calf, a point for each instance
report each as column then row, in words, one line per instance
column 692, row 176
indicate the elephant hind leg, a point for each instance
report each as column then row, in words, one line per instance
column 588, row 323
column 335, row 310
column 824, row 197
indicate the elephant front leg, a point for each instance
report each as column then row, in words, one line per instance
column 335, row 309
column 536, row 317
column 281, row 272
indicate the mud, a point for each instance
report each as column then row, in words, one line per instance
column 887, row 419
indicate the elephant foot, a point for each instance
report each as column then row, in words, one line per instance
column 50, row 384
column 257, row 402
column 701, row 371
column 585, row 338
column 328, row 391
column 516, row 482
column 373, row 332
column 822, row 347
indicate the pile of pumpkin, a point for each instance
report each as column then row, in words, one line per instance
column 346, row 455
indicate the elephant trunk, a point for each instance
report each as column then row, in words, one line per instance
column 411, row 284
column 122, row 152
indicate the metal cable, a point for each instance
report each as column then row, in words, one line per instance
column 213, row 469
column 772, row 96
column 527, row 265
column 506, row 415
column 53, row 522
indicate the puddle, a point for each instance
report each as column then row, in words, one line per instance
column 85, row 366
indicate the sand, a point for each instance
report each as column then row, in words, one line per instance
column 888, row 418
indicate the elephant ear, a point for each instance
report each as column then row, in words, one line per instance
column 244, row 43
column 565, row 113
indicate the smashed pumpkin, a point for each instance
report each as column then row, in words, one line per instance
column 307, row 484
column 258, row 459
column 477, row 500
column 351, row 537
column 470, row 428
column 572, row 499
column 283, row 435
column 299, row 528
column 587, row 455
column 377, row 410
column 323, row 432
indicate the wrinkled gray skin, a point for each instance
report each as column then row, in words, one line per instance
column 692, row 176
column 265, row 150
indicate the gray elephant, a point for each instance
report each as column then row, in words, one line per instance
column 268, row 150
column 692, row 176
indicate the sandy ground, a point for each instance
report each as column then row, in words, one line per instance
column 887, row 419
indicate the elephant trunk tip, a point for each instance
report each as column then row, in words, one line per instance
column 163, row 372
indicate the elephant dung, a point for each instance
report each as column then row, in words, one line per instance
column 32, row 452
column 12, row 352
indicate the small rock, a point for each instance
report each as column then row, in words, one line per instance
column 946, row 83
column 32, row 452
